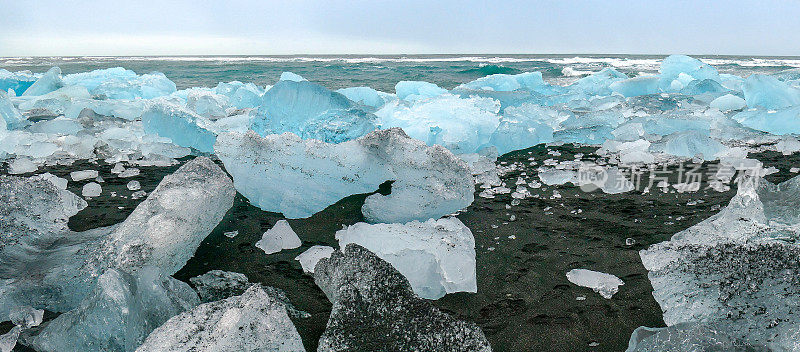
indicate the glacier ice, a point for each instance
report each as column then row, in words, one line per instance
column 417, row 90
column 48, row 82
column 9, row 115
column 686, row 337
column 312, row 112
column 16, row 81
column 91, row 189
column 604, row 284
column 309, row 259
column 778, row 122
column 119, row 83
column 279, row 237
column 769, row 93
column 217, row 285
column 254, row 321
column 684, row 69
column 181, row 126
column 598, row 83
column 374, row 308
column 83, row 175
column 530, row 81
column 436, row 256
column 736, row 269
column 298, row 178
column 632, row 87
column 240, row 95
column 461, row 125
column 728, row 102
column 117, row 316
column 45, row 265
column 207, row 104
column 366, row 96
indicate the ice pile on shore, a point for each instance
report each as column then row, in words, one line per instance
column 736, row 272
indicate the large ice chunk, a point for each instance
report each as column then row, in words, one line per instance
column 50, row 81
column 461, row 125
column 121, row 311
column 598, row 83
column 207, row 104
column 530, row 81
column 309, row 259
column 769, row 93
column 254, row 321
column 737, row 269
column 312, row 112
column 366, row 96
column 16, row 81
column 686, row 337
column 183, row 127
column 285, row 174
column 119, row 83
column 676, row 67
column 778, row 122
column 728, row 102
column 47, row 266
column 241, row 95
column 374, row 308
column 11, row 118
column 436, row 256
column 216, row 285
column 417, row 90
column 632, row 87
column 692, row 143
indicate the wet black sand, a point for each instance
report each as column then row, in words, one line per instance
column 524, row 301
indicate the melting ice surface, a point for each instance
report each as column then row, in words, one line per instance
column 604, row 284
column 737, row 271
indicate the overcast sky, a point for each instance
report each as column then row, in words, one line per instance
column 145, row 27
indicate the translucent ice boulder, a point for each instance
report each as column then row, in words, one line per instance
column 311, row 111
column 676, row 67
column 436, row 256
column 253, row 321
column 117, row 316
column 9, row 116
column 417, row 90
column 241, row 95
column 16, row 81
column 207, row 104
column 737, row 269
column 309, row 259
column 778, row 122
column 185, row 128
column 296, row 177
column 46, row 265
column 48, row 82
column 692, row 143
column 686, row 337
column 728, row 102
column 632, row 87
column 460, row 125
column 598, row 83
column 366, row 96
column 769, row 93
column 119, row 83
column 374, row 305
column 530, row 81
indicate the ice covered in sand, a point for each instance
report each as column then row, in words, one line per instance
column 738, row 269
column 604, row 284
column 436, row 256
column 253, row 321
column 298, row 178
column 374, row 305
column 279, row 237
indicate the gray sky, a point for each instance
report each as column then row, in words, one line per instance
column 145, row 27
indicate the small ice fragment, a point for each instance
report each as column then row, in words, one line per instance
column 118, row 168
column 83, row 175
column 308, row 259
column 138, row 194
column 134, row 186
column 92, row 189
column 22, row 166
column 231, row 234
column 26, row 316
column 630, row 241
column 604, row 284
column 130, row 173
column 279, row 237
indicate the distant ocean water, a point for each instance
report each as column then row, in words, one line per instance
column 382, row 72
